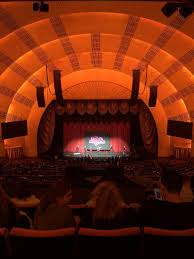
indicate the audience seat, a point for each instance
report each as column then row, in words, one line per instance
column 162, row 243
column 27, row 243
column 120, row 243
column 4, row 251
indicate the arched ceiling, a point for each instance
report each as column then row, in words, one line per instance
column 96, row 46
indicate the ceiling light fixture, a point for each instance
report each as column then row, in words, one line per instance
column 184, row 8
column 42, row 7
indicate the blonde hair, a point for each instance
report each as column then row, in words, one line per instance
column 109, row 202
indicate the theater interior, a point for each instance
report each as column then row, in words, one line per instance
column 95, row 92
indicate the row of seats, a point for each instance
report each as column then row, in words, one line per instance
column 130, row 242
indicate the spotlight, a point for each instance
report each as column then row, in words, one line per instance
column 35, row 7
column 185, row 8
column 168, row 9
column 186, row 11
column 42, row 7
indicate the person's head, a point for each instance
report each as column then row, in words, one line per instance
column 171, row 184
column 149, row 195
column 4, row 198
column 23, row 190
column 109, row 202
column 98, row 190
column 59, row 193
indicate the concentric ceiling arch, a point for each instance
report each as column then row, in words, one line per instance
column 93, row 44
column 119, row 46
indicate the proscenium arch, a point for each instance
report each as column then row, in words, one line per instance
column 141, row 20
column 36, row 113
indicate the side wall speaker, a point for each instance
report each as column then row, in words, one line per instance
column 40, row 96
column 135, row 86
column 180, row 129
column 153, row 95
column 57, row 85
column 14, row 129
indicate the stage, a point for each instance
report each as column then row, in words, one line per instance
column 98, row 133
column 96, row 154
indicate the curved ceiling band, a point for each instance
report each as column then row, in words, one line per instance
column 24, row 35
column 128, row 59
column 100, row 14
column 182, row 107
column 37, row 82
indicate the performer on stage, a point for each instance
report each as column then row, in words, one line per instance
column 111, row 148
column 77, row 149
column 98, row 149
column 85, row 149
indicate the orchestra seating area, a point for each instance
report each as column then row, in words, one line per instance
column 97, row 129
column 132, row 242
column 83, row 174
column 134, row 178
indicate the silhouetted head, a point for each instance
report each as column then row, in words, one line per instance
column 23, row 190
column 109, row 202
column 171, row 184
column 58, row 193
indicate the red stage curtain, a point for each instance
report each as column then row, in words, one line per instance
column 74, row 133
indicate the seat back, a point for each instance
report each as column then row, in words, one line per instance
column 3, row 244
column 162, row 243
column 27, row 243
column 93, row 243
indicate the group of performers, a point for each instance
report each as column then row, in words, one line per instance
column 132, row 151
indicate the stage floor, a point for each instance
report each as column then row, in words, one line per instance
column 96, row 154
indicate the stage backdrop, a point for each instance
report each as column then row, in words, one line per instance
column 78, row 135
column 97, row 141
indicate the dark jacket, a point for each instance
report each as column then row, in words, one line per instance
column 54, row 217
column 167, row 215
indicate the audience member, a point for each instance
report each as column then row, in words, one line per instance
column 168, row 211
column 53, row 212
column 24, row 197
column 107, row 209
column 9, row 215
column 98, row 191
column 186, row 192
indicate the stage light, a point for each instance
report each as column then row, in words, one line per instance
column 42, row 7
column 184, row 8
column 168, row 9
column 35, row 7
column 186, row 11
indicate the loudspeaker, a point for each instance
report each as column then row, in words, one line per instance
column 14, row 129
column 57, row 85
column 153, row 95
column 135, row 86
column 40, row 96
column 180, row 129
